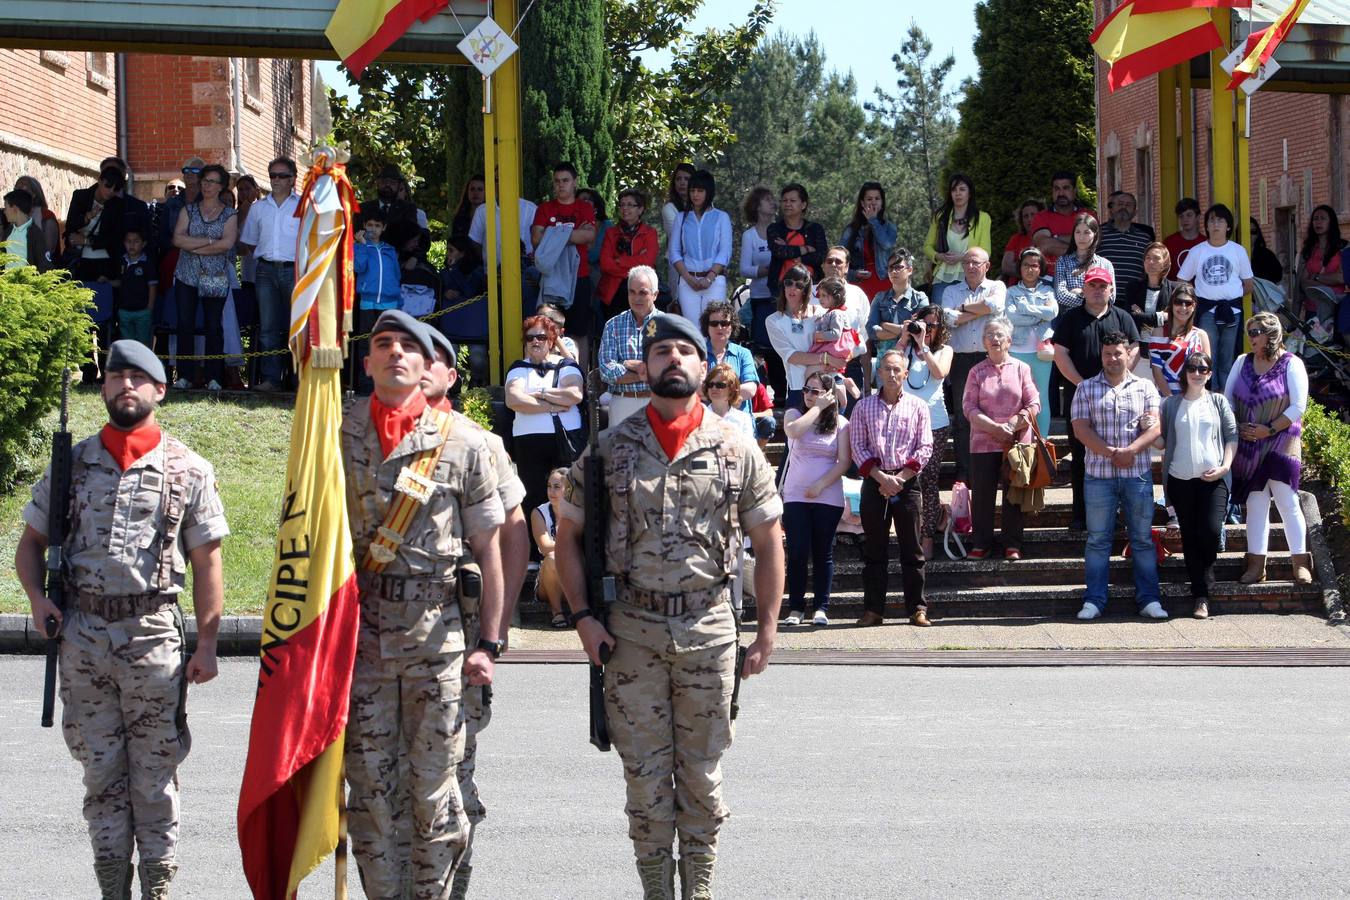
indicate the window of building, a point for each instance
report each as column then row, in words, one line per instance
column 56, row 59
column 1112, row 174
column 99, row 70
column 252, row 69
column 300, row 85
column 1143, row 177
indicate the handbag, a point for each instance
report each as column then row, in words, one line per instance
column 213, row 285
column 563, row 446
column 1045, row 351
column 1046, row 461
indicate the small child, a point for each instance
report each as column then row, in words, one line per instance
column 834, row 335
column 136, row 287
column 375, row 265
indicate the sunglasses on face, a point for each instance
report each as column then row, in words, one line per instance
column 280, row 176
column 811, row 392
column 192, row 170
column 1199, row 370
column 898, row 267
column 717, row 385
column 535, row 338
column 794, row 283
column 723, row 323
column 1255, row 332
column 1184, row 303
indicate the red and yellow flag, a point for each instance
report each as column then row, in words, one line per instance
column 290, row 799
column 361, row 30
column 1139, row 44
column 1260, row 46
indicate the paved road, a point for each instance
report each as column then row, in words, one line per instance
column 844, row 782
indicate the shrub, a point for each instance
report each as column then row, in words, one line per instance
column 44, row 328
column 1326, row 450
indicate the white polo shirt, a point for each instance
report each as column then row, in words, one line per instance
column 271, row 229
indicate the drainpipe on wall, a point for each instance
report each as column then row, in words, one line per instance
column 237, row 98
column 120, row 99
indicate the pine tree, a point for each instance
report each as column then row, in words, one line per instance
column 564, row 75
column 1030, row 113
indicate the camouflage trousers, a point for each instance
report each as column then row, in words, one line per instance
column 405, row 816
column 668, row 698
column 476, row 713
column 120, row 690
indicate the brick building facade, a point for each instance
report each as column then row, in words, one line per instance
column 62, row 116
column 1299, row 147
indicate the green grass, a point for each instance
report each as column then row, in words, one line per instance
column 246, row 438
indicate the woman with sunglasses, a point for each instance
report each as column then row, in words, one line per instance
column 1175, row 340
column 205, row 235
column 818, row 456
column 543, row 390
column 1268, row 389
column 1199, row 438
column 718, row 324
column 792, row 331
column 923, row 340
column 722, row 393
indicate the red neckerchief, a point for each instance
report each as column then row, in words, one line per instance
column 125, row 447
column 392, row 423
column 443, row 404
column 673, row 434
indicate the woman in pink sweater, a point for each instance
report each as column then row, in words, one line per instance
column 1000, row 401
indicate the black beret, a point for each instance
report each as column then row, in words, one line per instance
column 398, row 320
column 666, row 327
column 135, row 355
column 439, row 342
column 390, row 171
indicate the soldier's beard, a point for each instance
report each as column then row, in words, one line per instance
column 128, row 416
column 674, row 384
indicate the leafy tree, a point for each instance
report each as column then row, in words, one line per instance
column 662, row 118
column 1026, row 78
column 563, row 96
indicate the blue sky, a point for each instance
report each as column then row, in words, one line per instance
column 848, row 31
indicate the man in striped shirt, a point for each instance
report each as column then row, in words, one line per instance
column 891, row 439
column 1123, row 240
column 621, row 364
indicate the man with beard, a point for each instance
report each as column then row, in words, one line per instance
column 386, row 201
column 683, row 489
column 513, row 541
column 1052, row 229
column 421, row 495
column 142, row 506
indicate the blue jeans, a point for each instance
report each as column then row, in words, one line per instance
column 810, row 531
column 1103, row 496
column 275, row 284
column 1223, row 345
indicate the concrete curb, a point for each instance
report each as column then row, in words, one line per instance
column 239, row 635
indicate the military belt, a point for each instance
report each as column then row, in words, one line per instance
column 125, row 606
column 400, row 588
column 674, row 604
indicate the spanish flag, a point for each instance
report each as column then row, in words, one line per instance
column 361, row 30
column 1260, row 46
column 290, row 800
column 1139, row 44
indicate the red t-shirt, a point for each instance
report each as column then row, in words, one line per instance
column 1016, row 244
column 392, row 423
column 879, row 280
column 1177, row 246
column 674, row 433
column 1059, row 225
column 125, row 447
column 578, row 212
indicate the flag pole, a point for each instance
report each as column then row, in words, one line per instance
column 340, row 851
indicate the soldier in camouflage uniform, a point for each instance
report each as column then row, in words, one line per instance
column 683, row 488
column 402, row 739
column 514, row 546
column 142, row 506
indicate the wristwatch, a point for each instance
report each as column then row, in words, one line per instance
column 492, row 648
column 577, row 616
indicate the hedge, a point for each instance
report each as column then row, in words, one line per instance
column 1326, row 450
column 44, row 328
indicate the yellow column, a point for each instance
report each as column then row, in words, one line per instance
column 1167, row 151
column 507, row 111
column 1246, row 207
column 1221, row 119
column 496, row 365
column 1186, row 115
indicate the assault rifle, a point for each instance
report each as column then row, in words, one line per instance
column 600, row 590
column 58, row 523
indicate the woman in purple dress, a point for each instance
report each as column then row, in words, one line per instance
column 1268, row 390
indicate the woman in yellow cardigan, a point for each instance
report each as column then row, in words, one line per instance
column 957, row 227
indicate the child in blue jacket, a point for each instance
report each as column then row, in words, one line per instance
column 377, row 289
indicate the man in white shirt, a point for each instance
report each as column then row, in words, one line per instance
column 966, row 303
column 859, row 307
column 478, row 228
column 271, row 231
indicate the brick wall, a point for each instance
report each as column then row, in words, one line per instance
column 58, row 120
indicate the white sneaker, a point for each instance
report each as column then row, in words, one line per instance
column 794, row 618
column 213, row 386
column 182, row 384
column 1153, row 611
column 820, row 618
column 1089, row 611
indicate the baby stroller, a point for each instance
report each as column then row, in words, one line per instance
column 1309, row 327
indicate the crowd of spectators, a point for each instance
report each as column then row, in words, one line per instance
column 1093, row 319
